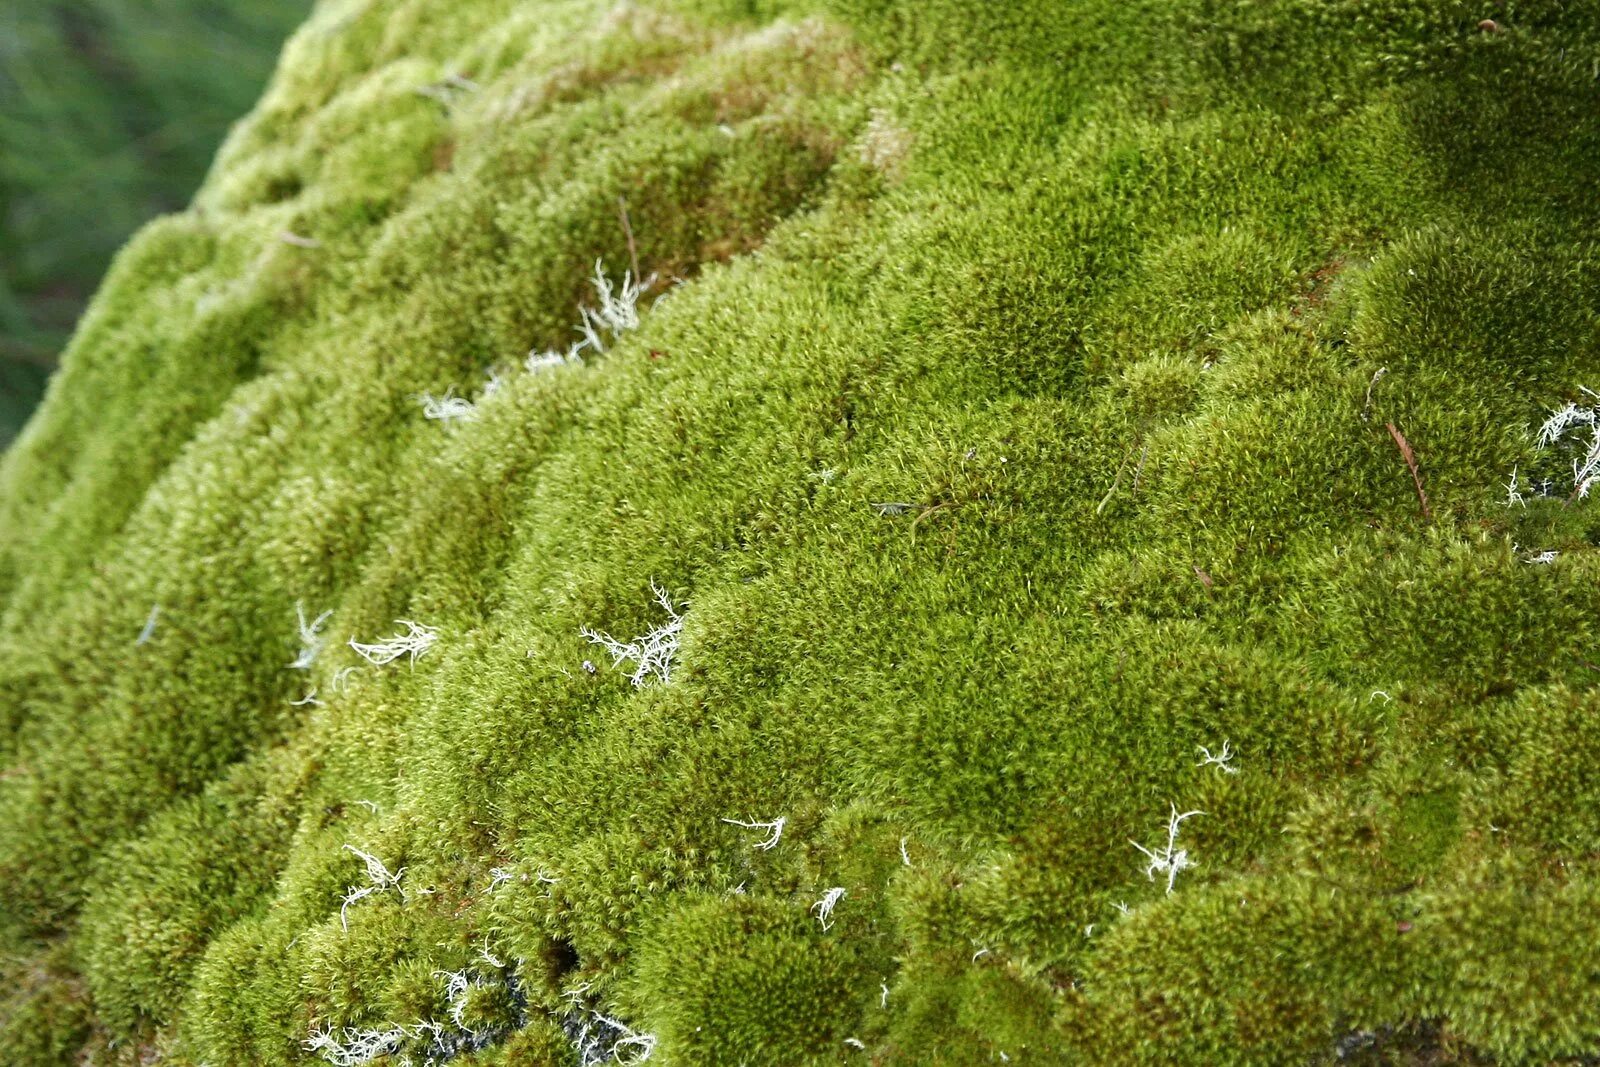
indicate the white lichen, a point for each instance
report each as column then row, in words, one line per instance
column 415, row 642
column 311, row 640
column 632, row 1047
column 652, row 653
column 1222, row 760
column 618, row 311
column 774, row 831
column 617, row 314
column 601, row 1039
column 1562, row 422
column 447, row 408
column 355, row 1047
column 1514, row 497
column 458, row 986
column 149, row 629
column 538, row 361
column 824, row 907
column 1169, row 859
column 379, row 879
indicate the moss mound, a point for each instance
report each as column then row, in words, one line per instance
column 1059, row 564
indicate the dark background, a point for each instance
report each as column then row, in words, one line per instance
column 110, row 112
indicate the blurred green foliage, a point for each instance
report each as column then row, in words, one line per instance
column 110, row 112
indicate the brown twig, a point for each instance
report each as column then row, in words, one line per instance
column 930, row 509
column 627, row 228
column 1118, row 479
column 1411, row 461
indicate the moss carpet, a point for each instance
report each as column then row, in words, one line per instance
column 855, row 531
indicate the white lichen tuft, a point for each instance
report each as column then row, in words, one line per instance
column 458, row 986
column 538, row 361
column 355, row 1047
column 1561, row 423
column 447, row 408
column 618, row 311
column 774, row 831
column 631, row 1047
column 884, row 144
column 1514, row 497
column 652, row 653
column 601, row 1039
column 311, row 640
column 379, row 879
column 1169, row 859
column 415, row 642
column 617, row 314
column 1222, row 760
column 824, row 907
column 149, row 629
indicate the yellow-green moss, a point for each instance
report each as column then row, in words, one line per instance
column 1018, row 409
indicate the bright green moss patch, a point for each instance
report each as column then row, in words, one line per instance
column 1043, row 424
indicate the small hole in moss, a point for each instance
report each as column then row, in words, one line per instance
column 281, row 188
column 561, row 958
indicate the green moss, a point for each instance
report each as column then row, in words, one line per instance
column 729, row 981
column 1009, row 424
column 44, row 1016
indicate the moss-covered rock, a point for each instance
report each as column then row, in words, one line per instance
column 1058, row 564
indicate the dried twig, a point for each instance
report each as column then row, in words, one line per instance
column 627, row 228
column 1411, row 462
column 1115, row 482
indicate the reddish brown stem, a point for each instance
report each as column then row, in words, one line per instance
column 1411, row 462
